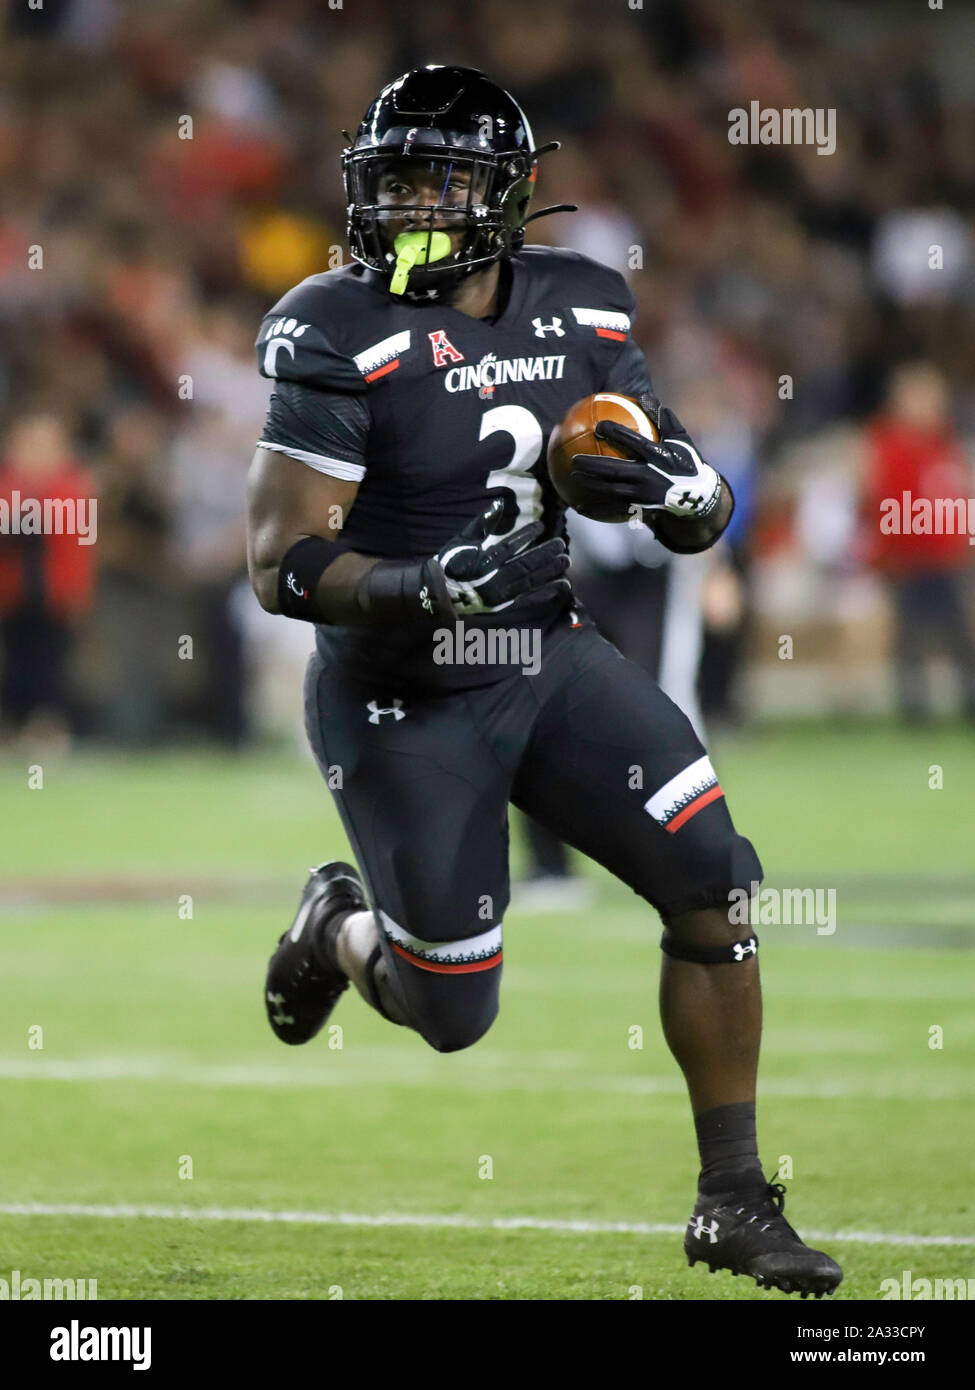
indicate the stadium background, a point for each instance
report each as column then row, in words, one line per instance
column 175, row 786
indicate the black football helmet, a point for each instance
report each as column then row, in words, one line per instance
column 438, row 180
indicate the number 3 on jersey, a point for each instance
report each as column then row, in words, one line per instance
column 527, row 435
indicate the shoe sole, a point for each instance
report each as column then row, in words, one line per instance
column 767, row 1282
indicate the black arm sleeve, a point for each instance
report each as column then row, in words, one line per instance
column 325, row 429
column 629, row 374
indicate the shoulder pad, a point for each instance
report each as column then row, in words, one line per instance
column 298, row 339
column 588, row 284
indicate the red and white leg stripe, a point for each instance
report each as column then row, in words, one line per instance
column 464, row 957
column 684, row 795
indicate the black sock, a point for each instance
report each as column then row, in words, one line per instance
column 728, row 1147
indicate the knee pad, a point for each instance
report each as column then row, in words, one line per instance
column 451, row 988
column 705, row 861
column 672, row 944
column 452, row 1030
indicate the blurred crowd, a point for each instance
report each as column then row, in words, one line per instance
column 168, row 169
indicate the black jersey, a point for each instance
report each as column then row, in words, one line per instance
column 429, row 409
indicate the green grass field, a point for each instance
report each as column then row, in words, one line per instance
column 155, row 1049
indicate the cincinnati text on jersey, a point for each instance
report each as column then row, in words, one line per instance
column 495, row 373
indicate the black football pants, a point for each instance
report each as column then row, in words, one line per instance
column 589, row 746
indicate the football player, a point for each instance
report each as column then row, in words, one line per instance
column 399, row 501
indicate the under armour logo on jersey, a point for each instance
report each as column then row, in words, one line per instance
column 741, row 949
column 376, row 713
column 554, row 327
column 700, row 1230
column 275, row 341
column 443, row 348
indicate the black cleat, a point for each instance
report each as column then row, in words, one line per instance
column 746, row 1233
column 303, row 979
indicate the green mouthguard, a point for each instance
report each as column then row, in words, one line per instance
column 411, row 250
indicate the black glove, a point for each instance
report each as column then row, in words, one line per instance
column 667, row 477
column 477, row 573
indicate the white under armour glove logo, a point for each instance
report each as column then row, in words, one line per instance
column 692, row 494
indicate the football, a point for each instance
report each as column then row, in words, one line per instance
column 574, row 435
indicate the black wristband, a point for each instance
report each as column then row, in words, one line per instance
column 299, row 573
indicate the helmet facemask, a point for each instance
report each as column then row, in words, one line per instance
column 398, row 202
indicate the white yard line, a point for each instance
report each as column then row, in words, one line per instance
column 123, row 1211
column 376, row 1066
